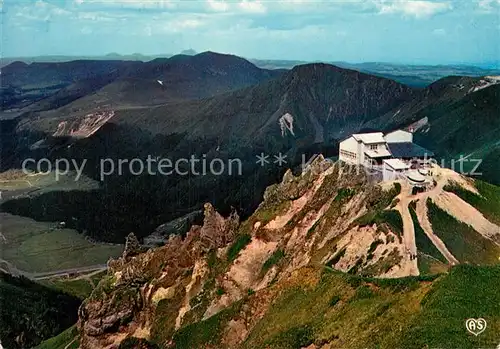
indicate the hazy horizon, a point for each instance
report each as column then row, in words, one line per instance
column 481, row 65
column 420, row 32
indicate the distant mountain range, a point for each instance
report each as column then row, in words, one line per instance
column 417, row 75
column 217, row 106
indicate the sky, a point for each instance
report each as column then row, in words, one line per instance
column 399, row 31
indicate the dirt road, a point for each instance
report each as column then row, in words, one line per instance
column 408, row 230
column 442, row 177
column 53, row 274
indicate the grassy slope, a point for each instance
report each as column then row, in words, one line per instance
column 67, row 339
column 488, row 203
column 467, row 245
column 341, row 309
column 354, row 312
column 208, row 331
column 467, row 292
column 81, row 287
column 33, row 310
column 351, row 312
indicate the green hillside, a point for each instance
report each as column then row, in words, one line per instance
column 30, row 312
column 353, row 312
column 67, row 339
column 487, row 202
column 468, row 127
column 430, row 260
column 467, row 292
column 467, row 245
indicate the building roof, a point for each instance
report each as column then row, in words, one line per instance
column 416, row 177
column 369, row 138
column 408, row 150
column 396, row 164
column 379, row 153
column 399, row 136
column 395, row 131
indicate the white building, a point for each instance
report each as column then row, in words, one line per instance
column 370, row 149
column 394, row 155
column 393, row 169
column 366, row 149
column 399, row 136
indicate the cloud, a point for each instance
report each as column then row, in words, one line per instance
column 86, row 30
column 488, row 5
column 181, row 25
column 218, row 5
column 189, row 23
column 95, row 17
column 41, row 11
column 439, row 32
column 415, row 8
column 252, row 6
column 131, row 4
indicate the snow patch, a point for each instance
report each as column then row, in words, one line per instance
column 485, row 82
column 329, row 113
column 286, row 123
column 417, row 125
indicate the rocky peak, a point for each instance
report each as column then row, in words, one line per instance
column 218, row 231
column 132, row 246
column 127, row 297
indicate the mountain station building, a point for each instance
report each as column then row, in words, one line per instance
column 393, row 154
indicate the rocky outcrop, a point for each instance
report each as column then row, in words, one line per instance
column 178, row 226
column 127, row 297
column 132, row 246
column 83, row 127
column 217, row 231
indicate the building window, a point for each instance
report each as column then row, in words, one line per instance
column 373, row 146
column 348, row 154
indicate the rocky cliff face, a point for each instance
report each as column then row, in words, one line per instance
column 128, row 296
column 221, row 262
column 227, row 274
column 85, row 126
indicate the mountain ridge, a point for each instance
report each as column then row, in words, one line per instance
column 319, row 103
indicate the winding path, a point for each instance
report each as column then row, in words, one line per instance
column 423, row 219
column 11, row 269
column 408, row 230
column 442, row 177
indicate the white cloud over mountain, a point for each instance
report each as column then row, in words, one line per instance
column 416, row 8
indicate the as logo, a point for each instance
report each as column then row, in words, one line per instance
column 475, row 326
